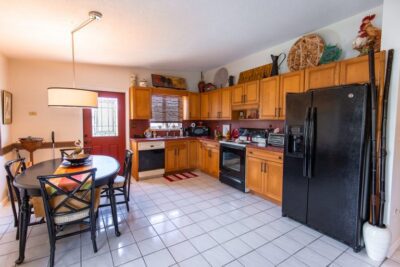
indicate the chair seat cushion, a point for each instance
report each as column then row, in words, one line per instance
column 75, row 216
column 119, row 181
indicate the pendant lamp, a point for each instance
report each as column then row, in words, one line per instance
column 72, row 96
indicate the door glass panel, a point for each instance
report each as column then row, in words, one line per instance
column 231, row 161
column 105, row 117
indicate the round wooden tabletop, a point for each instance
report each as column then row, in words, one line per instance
column 107, row 167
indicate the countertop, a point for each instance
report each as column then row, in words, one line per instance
column 268, row 148
column 177, row 138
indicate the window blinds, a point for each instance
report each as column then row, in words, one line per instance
column 167, row 108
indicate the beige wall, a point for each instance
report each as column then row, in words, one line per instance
column 30, row 79
column 5, row 130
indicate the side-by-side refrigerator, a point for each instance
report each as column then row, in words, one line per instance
column 326, row 161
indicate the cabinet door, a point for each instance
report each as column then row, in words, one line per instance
column 194, row 106
column 355, row 70
column 140, row 103
column 226, row 100
column 193, row 154
column 292, row 82
column 213, row 162
column 251, row 92
column 237, row 95
column 254, row 174
column 322, row 76
column 170, row 158
column 273, row 181
column 182, row 157
column 205, row 112
column 269, row 98
column 203, row 155
column 214, row 100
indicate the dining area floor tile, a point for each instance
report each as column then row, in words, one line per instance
column 192, row 222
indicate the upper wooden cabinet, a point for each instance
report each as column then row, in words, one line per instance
column 140, row 103
column 192, row 107
column 322, row 76
column 218, row 104
column 269, row 98
column 292, row 82
column 205, row 110
column 356, row 70
column 246, row 94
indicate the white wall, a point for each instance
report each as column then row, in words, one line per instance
column 29, row 80
column 5, row 130
column 342, row 33
column 391, row 39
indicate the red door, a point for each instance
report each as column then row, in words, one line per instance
column 104, row 127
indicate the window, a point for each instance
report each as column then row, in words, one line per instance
column 167, row 112
column 105, row 117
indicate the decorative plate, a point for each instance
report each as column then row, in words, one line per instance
column 221, row 77
column 306, row 52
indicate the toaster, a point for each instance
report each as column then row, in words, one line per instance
column 276, row 139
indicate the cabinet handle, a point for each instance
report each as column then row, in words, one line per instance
column 208, row 114
column 262, row 164
column 265, row 167
column 279, row 112
column 245, row 98
column 276, row 113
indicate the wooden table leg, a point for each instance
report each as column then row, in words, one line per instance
column 23, row 226
column 113, row 206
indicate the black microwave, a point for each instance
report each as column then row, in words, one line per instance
column 199, row 131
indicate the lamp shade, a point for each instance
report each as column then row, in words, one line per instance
column 71, row 97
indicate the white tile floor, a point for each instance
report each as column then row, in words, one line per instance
column 195, row 222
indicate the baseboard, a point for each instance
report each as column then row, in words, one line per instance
column 4, row 202
column 393, row 248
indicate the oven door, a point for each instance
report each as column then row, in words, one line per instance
column 232, row 161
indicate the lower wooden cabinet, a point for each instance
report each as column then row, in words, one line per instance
column 193, row 154
column 264, row 173
column 209, row 158
column 176, row 156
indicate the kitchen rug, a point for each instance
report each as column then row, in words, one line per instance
column 180, row 176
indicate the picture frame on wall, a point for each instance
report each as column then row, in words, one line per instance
column 6, row 100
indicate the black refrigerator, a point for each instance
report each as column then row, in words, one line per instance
column 326, row 160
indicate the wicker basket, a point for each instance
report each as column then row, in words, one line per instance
column 306, row 52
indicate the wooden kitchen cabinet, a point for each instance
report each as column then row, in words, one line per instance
column 264, row 173
column 269, row 98
column 193, row 154
column 273, row 180
column 322, row 76
column 292, row 82
column 254, row 175
column 205, row 107
column 192, row 107
column 176, row 156
column 220, row 104
column 209, row 162
column 140, row 103
column 246, row 94
column 355, row 70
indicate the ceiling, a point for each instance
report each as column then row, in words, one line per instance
column 181, row 35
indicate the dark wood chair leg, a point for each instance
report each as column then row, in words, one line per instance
column 23, row 226
column 93, row 233
column 126, row 196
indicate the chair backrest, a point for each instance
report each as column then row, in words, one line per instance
column 128, row 165
column 13, row 168
column 68, row 193
column 66, row 152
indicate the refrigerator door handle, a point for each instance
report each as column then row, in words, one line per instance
column 306, row 142
column 312, row 141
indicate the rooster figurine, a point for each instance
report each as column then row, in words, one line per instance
column 369, row 36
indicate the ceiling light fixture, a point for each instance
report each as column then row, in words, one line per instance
column 72, row 96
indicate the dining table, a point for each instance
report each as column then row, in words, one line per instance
column 107, row 169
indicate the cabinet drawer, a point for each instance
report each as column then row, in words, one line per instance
column 266, row 155
column 210, row 144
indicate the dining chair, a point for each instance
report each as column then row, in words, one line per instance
column 122, row 184
column 13, row 168
column 70, row 199
column 66, row 152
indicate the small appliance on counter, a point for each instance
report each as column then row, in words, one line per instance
column 199, row 131
column 276, row 139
